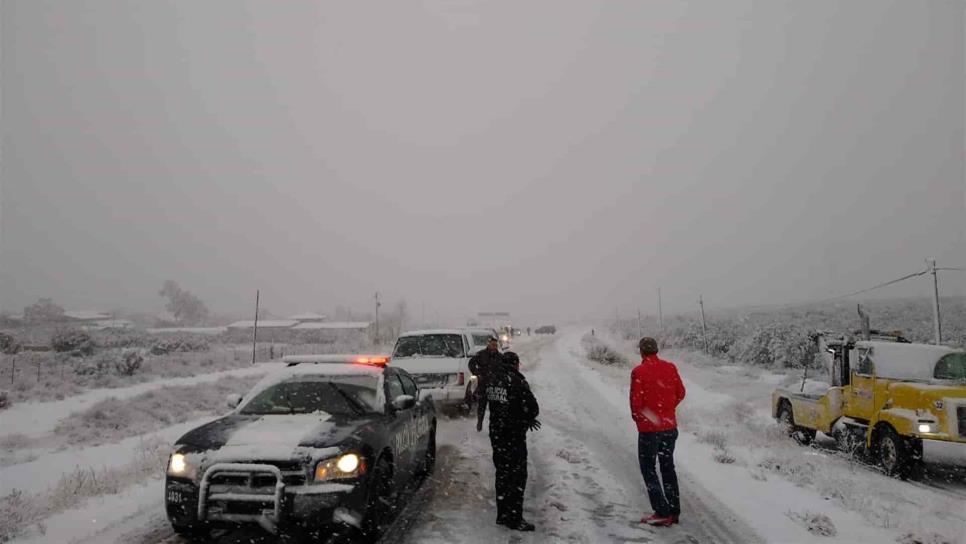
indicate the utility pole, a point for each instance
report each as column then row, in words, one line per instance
column 660, row 311
column 704, row 325
column 640, row 326
column 378, row 304
column 255, row 328
column 935, row 301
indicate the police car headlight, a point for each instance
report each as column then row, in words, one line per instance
column 349, row 465
column 182, row 466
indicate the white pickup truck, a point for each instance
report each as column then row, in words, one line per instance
column 439, row 362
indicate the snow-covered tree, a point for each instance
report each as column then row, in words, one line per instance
column 183, row 305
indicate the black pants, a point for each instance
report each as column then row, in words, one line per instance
column 510, row 461
column 653, row 449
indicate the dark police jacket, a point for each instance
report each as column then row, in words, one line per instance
column 512, row 404
column 483, row 362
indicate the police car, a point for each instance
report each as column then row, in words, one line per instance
column 323, row 445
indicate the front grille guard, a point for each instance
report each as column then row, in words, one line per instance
column 244, row 469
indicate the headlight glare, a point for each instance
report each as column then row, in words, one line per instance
column 349, row 465
column 925, row 428
column 177, row 464
column 348, row 462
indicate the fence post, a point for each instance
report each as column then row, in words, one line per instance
column 704, row 325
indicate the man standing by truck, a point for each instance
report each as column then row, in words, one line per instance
column 656, row 391
column 480, row 365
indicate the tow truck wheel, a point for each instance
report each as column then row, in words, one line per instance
column 380, row 502
column 894, row 453
column 800, row 434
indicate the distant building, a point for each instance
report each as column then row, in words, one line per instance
column 317, row 332
column 269, row 330
column 86, row 316
column 309, row 317
column 112, row 324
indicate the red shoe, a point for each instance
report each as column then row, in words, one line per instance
column 659, row 521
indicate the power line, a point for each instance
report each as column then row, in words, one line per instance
column 845, row 295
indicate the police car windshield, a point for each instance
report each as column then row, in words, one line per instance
column 336, row 395
column 429, row 345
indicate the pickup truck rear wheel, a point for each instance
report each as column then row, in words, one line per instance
column 894, row 453
column 787, row 420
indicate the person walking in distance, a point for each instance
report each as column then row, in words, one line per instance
column 656, row 391
column 513, row 411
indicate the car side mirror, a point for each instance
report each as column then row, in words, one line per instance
column 404, row 402
column 233, row 400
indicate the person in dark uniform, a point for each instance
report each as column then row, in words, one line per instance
column 480, row 366
column 513, row 411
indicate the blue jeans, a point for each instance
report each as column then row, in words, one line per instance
column 653, row 449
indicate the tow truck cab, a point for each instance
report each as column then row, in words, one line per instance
column 903, row 403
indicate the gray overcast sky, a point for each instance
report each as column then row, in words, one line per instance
column 545, row 158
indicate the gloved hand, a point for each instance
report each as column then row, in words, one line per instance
column 533, row 424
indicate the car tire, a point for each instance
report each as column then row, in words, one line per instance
column 379, row 504
column 429, row 459
column 894, row 453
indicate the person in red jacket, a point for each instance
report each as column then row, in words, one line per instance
column 656, row 391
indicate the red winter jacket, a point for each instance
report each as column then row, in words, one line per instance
column 656, row 390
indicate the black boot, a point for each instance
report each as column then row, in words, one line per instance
column 518, row 525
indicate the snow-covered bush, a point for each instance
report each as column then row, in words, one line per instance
column 8, row 344
column 778, row 345
column 74, row 341
column 817, row 524
column 180, row 344
column 129, row 363
column 122, row 338
column 94, row 366
column 17, row 511
column 600, row 352
column 928, row 538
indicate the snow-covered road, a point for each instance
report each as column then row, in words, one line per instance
column 584, row 483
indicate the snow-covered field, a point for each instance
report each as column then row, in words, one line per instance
column 741, row 481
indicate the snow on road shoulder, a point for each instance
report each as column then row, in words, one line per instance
column 34, row 419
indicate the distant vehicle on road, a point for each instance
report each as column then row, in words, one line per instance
column 322, row 446
column 479, row 336
column 439, row 362
column 546, row 329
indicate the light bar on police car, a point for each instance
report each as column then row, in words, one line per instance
column 345, row 359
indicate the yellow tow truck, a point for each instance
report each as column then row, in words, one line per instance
column 899, row 402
